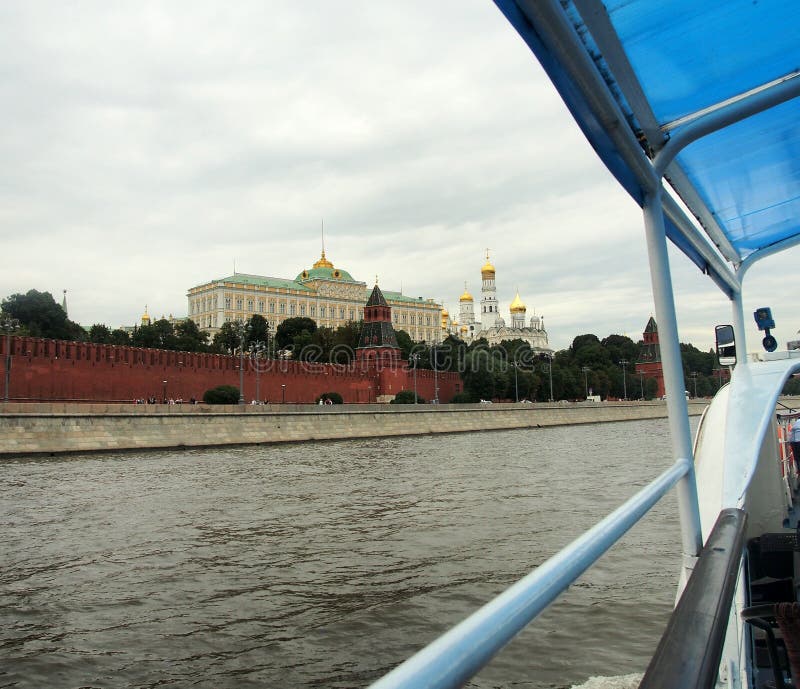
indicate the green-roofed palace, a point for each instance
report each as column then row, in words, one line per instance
column 328, row 295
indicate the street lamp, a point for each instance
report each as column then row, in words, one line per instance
column 255, row 350
column 516, row 382
column 242, row 328
column 283, row 393
column 8, row 325
column 624, row 363
column 550, row 370
column 164, row 397
column 641, row 381
column 435, row 376
column 414, row 358
column 586, row 370
column 694, row 378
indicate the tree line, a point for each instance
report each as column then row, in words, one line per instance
column 511, row 370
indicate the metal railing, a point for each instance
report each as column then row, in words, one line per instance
column 458, row 654
column 690, row 649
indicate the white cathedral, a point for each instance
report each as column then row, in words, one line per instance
column 491, row 326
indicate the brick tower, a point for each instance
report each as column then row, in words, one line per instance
column 378, row 342
column 649, row 363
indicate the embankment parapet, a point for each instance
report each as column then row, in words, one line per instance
column 55, row 428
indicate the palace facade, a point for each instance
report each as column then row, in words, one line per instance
column 328, row 295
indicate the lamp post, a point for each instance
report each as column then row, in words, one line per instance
column 435, row 376
column 641, row 382
column 516, row 382
column 8, row 325
column 283, row 393
column 586, row 370
column 550, row 370
column 694, row 378
column 624, row 363
column 255, row 349
column 414, row 358
column 164, row 396
column 242, row 329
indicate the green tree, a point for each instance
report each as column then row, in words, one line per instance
column 144, row 336
column 257, row 330
column 621, row 348
column 325, row 340
column 189, row 337
column 226, row 339
column 100, row 334
column 291, row 328
column 405, row 343
column 120, row 337
column 40, row 316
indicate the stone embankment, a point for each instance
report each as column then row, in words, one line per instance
column 57, row 428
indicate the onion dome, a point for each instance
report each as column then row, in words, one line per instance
column 466, row 296
column 488, row 269
column 145, row 317
column 517, row 306
column 464, row 328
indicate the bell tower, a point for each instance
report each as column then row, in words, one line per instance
column 489, row 313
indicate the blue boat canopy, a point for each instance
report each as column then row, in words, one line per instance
column 701, row 94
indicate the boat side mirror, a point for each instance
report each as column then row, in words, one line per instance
column 726, row 345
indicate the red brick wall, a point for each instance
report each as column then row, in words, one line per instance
column 50, row 370
column 653, row 370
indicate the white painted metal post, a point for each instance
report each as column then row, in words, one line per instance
column 675, row 385
column 737, row 309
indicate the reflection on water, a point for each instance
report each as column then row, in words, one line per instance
column 325, row 564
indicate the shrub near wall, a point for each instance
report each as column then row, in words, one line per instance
column 222, row 394
column 334, row 397
column 407, row 397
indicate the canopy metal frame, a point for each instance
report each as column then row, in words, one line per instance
column 547, row 29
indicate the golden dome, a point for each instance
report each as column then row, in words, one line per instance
column 517, row 306
column 445, row 312
column 488, row 269
column 464, row 328
column 145, row 316
column 323, row 262
column 466, row 296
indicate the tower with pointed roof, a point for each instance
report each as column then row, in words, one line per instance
column 378, row 342
column 649, row 364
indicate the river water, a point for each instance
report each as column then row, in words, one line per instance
column 325, row 564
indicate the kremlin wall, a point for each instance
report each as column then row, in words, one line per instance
column 55, row 371
column 51, row 370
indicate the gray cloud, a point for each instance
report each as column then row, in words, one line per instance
column 146, row 147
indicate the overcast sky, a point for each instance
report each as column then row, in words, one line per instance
column 148, row 146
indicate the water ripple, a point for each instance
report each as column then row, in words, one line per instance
column 323, row 564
